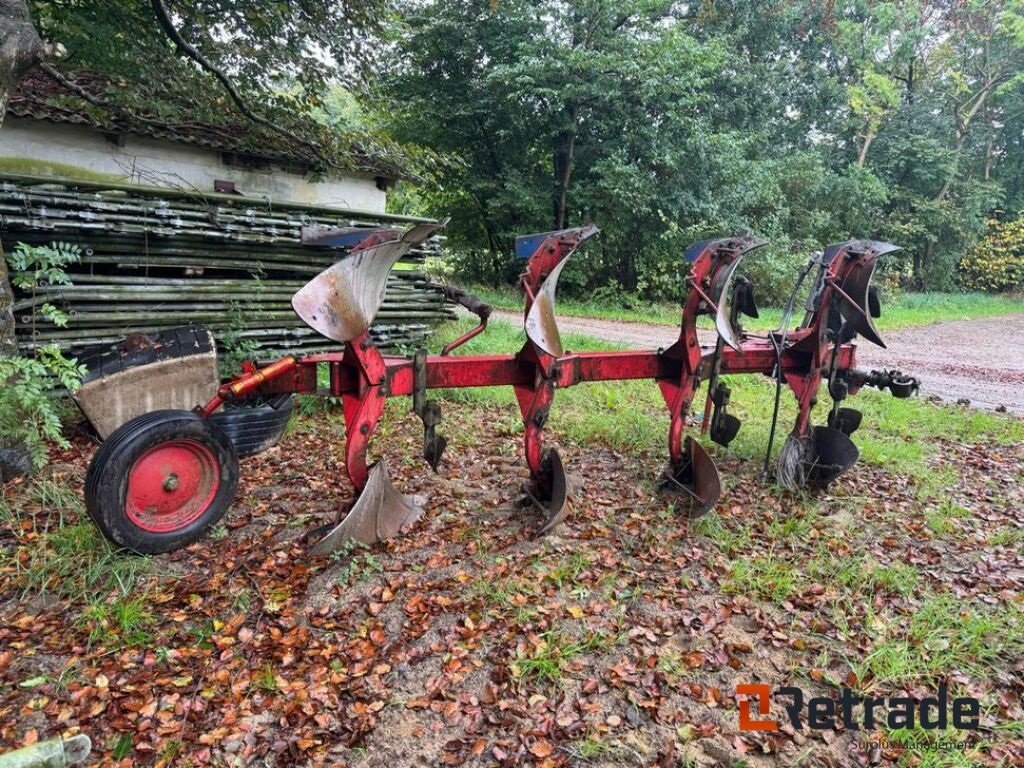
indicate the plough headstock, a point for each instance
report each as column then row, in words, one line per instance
column 341, row 303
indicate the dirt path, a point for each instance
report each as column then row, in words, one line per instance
column 981, row 360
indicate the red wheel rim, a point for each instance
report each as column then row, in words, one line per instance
column 171, row 485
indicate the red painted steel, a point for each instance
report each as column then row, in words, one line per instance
column 171, row 485
column 363, row 378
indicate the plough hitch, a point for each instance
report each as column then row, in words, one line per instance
column 342, row 302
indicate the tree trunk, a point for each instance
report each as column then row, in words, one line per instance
column 563, row 160
column 20, row 47
column 20, row 50
column 8, row 344
column 961, row 136
column 862, row 156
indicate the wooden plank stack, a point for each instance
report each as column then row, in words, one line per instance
column 155, row 259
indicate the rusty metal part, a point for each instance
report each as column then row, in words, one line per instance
column 551, row 251
column 724, row 426
column 794, row 457
column 379, row 513
column 429, row 412
column 554, row 505
column 341, row 302
column 738, row 299
column 474, row 305
column 697, row 477
column 816, row 459
column 541, row 324
column 724, row 296
column 899, row 384
column 846, row 420
column 857, row 307
column 834, row 453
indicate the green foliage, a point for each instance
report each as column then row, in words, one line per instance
column 803, row 123
column 285, row 60
column 996, row 263
column 235, row 347
column 943, row 636
column 29, row 416
column 34, row 266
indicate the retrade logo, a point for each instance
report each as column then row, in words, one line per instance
column 763, row 694
column 855, row 712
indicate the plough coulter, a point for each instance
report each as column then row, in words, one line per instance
column 161, row 480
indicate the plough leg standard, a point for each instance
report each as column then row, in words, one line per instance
column 161, row 480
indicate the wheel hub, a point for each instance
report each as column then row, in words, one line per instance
column 171, row 485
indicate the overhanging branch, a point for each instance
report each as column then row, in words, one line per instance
column 190, row 51
column 96, row 101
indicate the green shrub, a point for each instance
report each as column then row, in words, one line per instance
column 29, row 415
column 996, row 263
column 235, row 347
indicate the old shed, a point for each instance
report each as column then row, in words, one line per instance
column 186, row 224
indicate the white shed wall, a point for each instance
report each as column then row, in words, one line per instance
column 42, row 148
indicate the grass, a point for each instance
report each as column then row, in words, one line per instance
column 862, row 575
column 121, row 622
column 547, row 661
column 765, row 576
column 567, row 571
column 266, row 679
column 943, row 635
column 942, row 521
column 58, row 550
column 589, row 749
column 356, row 563
column 730, row 540
column 898, row 311
column 1008, row 536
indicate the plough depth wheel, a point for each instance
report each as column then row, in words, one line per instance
column 163, row 479
column 160, row 481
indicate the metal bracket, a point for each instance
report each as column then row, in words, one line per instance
column 429, row 411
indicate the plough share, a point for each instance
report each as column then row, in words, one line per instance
column 161, row 480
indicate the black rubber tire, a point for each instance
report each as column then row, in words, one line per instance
column 254, row 427
column 106, row 483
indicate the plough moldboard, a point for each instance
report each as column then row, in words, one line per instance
column 161, row 480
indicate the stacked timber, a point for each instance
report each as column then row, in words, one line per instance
column 153, row 259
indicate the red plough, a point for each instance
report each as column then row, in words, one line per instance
column 163, row 479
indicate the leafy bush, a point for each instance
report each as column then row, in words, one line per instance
column 235, row 347
column 774, row 270
column 996, row 263
column 29, row 415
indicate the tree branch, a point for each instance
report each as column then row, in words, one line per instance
column 190, row 51
column 96, row 101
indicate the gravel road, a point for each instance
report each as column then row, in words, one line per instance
column 981, row 360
